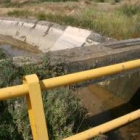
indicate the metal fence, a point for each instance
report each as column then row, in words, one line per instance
column 32, row 87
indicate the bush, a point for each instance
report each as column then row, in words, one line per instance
column 20, row 13
column 111, row 1
column 55, row 0
column 63, row 112
column 2, row 54
column 130, row 9
column 8, row 76
column 41, row 16
column 99, row 0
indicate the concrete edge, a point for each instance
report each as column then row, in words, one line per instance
column 48, row 36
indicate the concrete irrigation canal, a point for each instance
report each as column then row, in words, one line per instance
column 79, row 49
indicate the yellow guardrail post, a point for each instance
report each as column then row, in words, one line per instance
column 35, row 108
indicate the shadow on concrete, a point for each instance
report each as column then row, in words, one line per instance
column 108, row 115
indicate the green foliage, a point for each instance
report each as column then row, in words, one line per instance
column 125, row 19
column 63, row 111
column 41, row 16
column 130, row 9
column 55, row 0
column 18, row 110
column 63, row 19
column 99, row 0
column 101, row 22
column 111, row 1
column 2, row 54
column 8, row 130
column 63, row 114
column 20, row 13
column 8, row 76
column 9, row 73
column 117, row 0
column 5, row 1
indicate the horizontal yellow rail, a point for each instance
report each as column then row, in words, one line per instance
column 32, row 90
column 20, row 90
column 88, row 134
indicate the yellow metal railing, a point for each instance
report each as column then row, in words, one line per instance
column 31, row 88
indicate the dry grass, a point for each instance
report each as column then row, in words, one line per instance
column 120, row 21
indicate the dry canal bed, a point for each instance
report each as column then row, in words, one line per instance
column 13, row 51
column 104, row 103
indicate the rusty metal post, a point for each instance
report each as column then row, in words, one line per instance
column 35, row 108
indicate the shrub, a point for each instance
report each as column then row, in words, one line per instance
column 8, row 129
column 19, row 13
column 63, row 112
column 130, row 9
column 55, row 0
column 41, row 16
column 2, row 54
column 99, row 0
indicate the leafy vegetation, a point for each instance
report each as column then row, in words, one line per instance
column 55, row 0
column 41, row 16
column 111, row 1
column 19, row 13
column 8, row 130
column 125, row 27
column 2, row 54
column 130, row 9
column 63, row 111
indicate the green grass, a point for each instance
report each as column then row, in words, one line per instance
column 121, row 23
column 20, row 13
column 112, row 25
column 63, row 112
column 2, row 54
column 41, row 16
column 8, row 76
column 111, row 1
column 55, row 0
column 9, row 3
column 130, row 9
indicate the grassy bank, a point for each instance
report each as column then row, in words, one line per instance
column 120, row 22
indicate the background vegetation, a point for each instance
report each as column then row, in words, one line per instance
column 119, row 21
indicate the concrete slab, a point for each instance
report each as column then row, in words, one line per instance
column 71, row 38
column 46, row 36
column 40, row 35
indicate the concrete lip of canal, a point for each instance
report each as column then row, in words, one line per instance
column 42, row 37
column 47, row 36
column 19, row 52
column 13, row 51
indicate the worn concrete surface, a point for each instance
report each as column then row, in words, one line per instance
column 47, row 36
column 85, row 58
column 77, row 49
